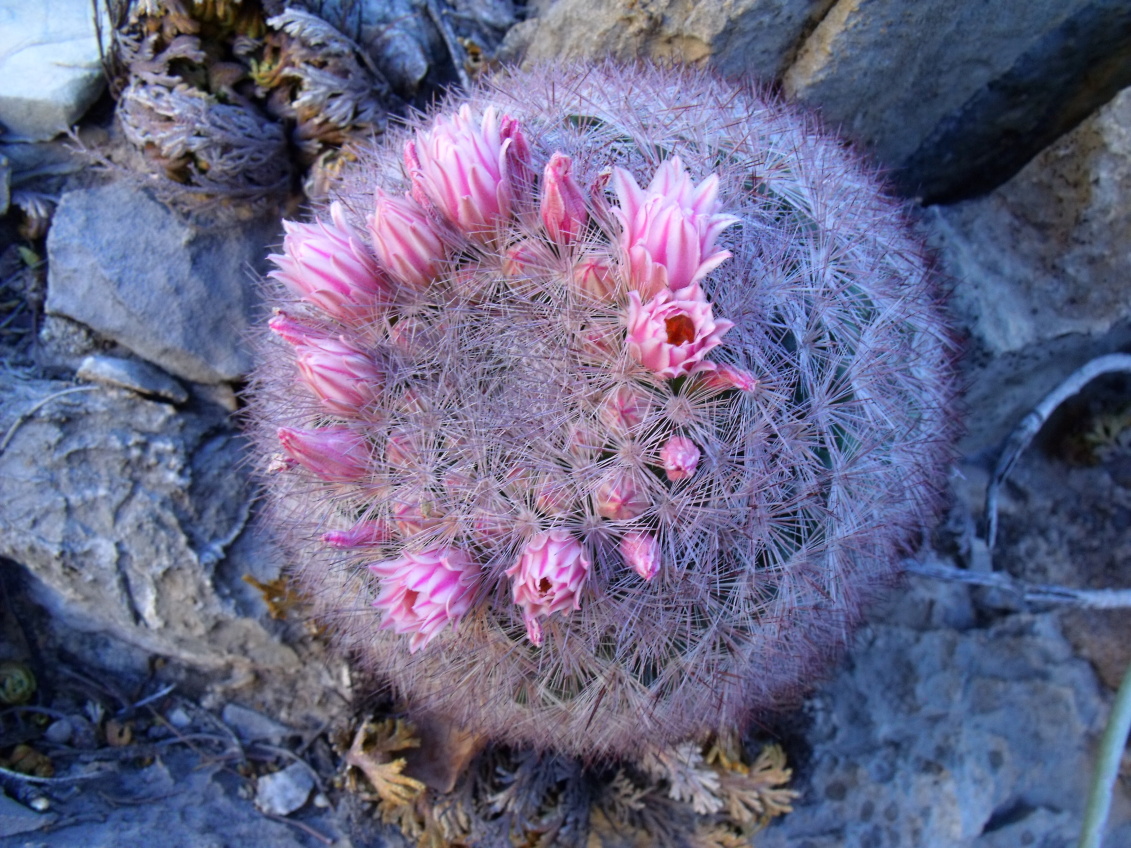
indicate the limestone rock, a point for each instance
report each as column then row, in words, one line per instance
column 173, row 292
column 951, row 738
column 1040, row 270
column 979, row 91
column 754, row 37
column 50, row 66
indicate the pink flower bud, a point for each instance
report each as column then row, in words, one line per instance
column 728, row 377
column 593, row 276
column 345, row 378
column 336, row 454
column 470, row 173
column 563, row 204
column 323, row 264
column 295, row 332
column 402, row 449
column 406, row 241
column 619, row 496
column 423, row 592
column 548, row 577
column 673, row 332
column 641, row 552
column 680, row 457
column 668, row 230
column 364, row 534
column 625, row 408
column 414, row 512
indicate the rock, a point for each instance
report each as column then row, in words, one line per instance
column 173, row 292
column 754, row 37
column 50, row 65
column 979, row 94
column 283, row 792
column 1040, row 271
column 5, row 184
column 252, row 726
column 16, row 818
column 135, row 376
column 952, row 739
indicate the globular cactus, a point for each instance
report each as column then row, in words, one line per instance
column 599, row 403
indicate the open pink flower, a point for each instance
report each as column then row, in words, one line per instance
column 563, row 204
column 323, row 264
column 469, row 173
column 680, row 457
column 421, row 593
column 668, row 230
column 548, row 576
column 406, row 240
column 640, row 551
column 672, row 333
column 336, row 454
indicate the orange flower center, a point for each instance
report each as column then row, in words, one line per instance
column 681, row 329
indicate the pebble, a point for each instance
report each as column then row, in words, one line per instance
column 284, row 791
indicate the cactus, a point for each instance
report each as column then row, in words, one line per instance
column 599, row 403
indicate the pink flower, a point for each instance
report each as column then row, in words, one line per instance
column 548, row 577
column 673, row 332
column 423, row 592
column 625, row 408
column 593, row 276
column 415, row 511
column 729, row 377
column 406, row 241
column 364, row 534
column 668, row 230
column 563, row 205
column 344, row 377
column 641, row 552
column 336, row 454
column 469, row 173
column 680, row 457
column 323, row 264
column 619, row 496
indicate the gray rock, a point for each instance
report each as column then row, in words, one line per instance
column 754, row 37
column 16, row 818
column 5, row 184
column 178, row 802
column 283, row 792
column 978, row 94
column 1040, row 270
column 130, row 518
column 174, row 293
column 253, row 726
column 952, row 739
column 135, row 376
column 50, row 65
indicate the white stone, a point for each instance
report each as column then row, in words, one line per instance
column 50, row 66
column 284, row 791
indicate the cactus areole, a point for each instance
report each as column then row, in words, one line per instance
column 598, row 403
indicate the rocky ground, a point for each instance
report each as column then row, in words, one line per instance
column 179, row 691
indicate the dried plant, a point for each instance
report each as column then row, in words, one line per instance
column 227, row 102
column 598, row 407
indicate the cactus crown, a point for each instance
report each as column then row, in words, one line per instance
column 598, row 405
